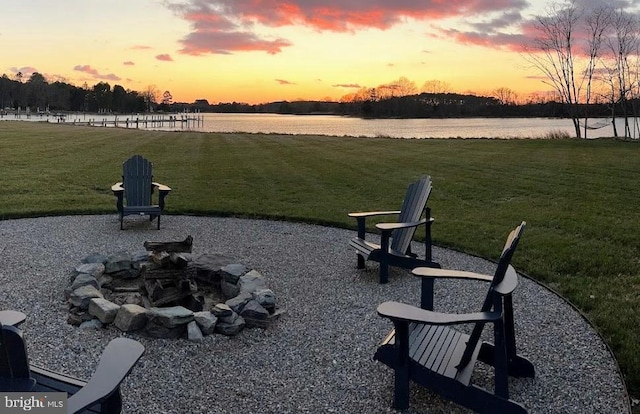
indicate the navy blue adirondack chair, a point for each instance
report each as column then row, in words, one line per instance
column 101, row 394
column 395, row 238
column 424, row 348
column 136, row 189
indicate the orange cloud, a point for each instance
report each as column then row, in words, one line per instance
column 128, row 63
column 284, row 82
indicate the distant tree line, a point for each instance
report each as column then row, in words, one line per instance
column 424, row 105
column 39, row 95
column 398, row 99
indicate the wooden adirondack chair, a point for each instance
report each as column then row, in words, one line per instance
column 137, row 187
column 100, row 395
column 395, row 238
column 425, row 349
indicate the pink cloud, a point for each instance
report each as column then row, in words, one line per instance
column 141, row 47
column 95, row 74
column 513, row 42
column 340, row 15
column 26, row 71
column 229, row 26
column 347, row 85
column 164, row 57
column 56, row 78
column 219, row 42
column 226, row 26
column 86, row 69
column 510, row 31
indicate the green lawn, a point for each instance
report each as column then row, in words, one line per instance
column 579, row 198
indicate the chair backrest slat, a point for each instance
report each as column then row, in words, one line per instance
column 503, row 283
column 413, row 205
column 505, row 259
column 137, row 176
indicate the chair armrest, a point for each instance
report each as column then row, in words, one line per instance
column 394, row 226
column 117, row 187
column 118, row 191
column 116, row 362
column 11, row 317
column 361, row 218
column 449, row 274
column 401, row 312
column 373, row 213
column 161, row 187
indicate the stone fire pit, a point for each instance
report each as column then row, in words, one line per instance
column 168, row 292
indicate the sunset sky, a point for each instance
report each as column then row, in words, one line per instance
column 265, row 50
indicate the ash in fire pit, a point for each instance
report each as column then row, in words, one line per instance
column 168, row 292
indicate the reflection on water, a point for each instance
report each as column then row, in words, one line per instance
column 347, row 126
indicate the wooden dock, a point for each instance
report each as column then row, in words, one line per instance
column 184, row 121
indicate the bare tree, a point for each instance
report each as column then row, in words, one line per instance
column 383, row 92
column 150, row 96
column 505, row 96
column 552, row 52
column 597, row 22
column 608, row 77
column 404, row 87
column 400, row 87
column 167, row 98
column 621, row 73
column 436, row 87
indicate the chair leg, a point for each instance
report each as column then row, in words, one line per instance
column 360, row 261
column 401, row 377
column 158, row 221
column 426, row 293
column 113, row 404
column 121, row 220
column 384, row 271
column 384, row 257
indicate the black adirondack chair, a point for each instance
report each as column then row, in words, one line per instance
column 100, row 395
column 423, row 347
column 395, row 238
column 136, row 188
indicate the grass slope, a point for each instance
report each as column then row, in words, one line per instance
column 579, row 198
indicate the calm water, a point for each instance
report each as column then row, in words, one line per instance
column 347, row 126
column 395, row 128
